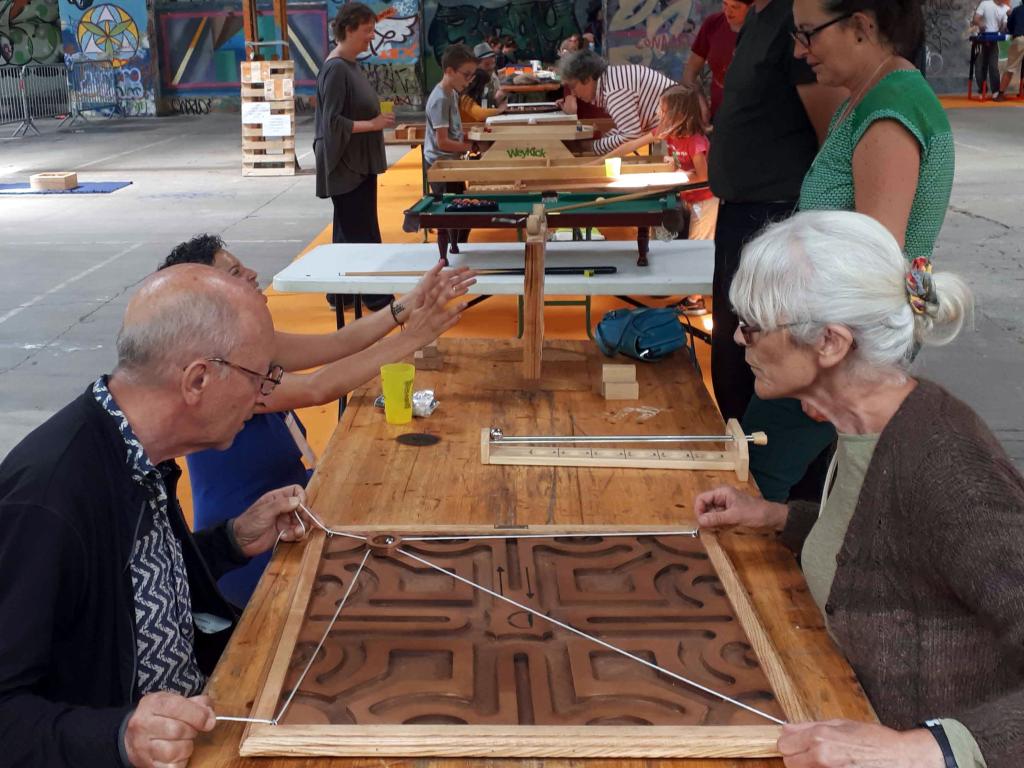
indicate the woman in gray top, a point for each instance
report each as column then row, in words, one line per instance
column 349, row 139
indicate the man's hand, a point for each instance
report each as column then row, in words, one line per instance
column 258, row 528
column 725, row 507
column 162, row 729
column 846, row 744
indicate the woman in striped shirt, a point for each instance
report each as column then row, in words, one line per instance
column 629, row 93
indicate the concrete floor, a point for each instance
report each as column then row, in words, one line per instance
column 72, row 261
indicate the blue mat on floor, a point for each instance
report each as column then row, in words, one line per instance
column 85, row 188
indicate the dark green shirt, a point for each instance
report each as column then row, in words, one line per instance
column 763, row 142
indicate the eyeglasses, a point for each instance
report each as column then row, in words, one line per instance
column 467, row 74
column 748, row 331
column 803, row 36
column 268, row 381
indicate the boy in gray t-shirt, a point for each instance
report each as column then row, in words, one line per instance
column 444, row 136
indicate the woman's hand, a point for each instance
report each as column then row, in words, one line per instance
column 846, row 744
column 383, row 121
column 725, row 507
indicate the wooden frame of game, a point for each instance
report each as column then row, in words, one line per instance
column 390, row 547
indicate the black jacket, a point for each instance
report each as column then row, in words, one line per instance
column 68, row 508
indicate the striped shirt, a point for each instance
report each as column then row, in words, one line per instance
column 629, row 94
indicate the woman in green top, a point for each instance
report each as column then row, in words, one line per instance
column 889, row 149
column 888, row 154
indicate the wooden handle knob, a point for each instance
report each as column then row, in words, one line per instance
column 759, row 438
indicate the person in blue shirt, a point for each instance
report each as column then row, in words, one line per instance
column 269, row 451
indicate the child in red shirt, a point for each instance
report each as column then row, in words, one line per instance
column 681, row 126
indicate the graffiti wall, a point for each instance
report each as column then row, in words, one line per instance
column 657, row 33
column 946, row 32
column 202, row 46
column 29, row 32
column 393, row 61
column 539, row 26
column 118, row 30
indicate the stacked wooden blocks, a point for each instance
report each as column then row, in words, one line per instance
column 268, row 118
column 618, row 382
column 428, row 359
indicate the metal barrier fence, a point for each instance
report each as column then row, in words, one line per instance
column 12, row 100
column 67, row 90
column 93, row 85
column 45, row 87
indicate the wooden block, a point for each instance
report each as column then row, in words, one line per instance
column 430, row 350
column 613, row 373
column 620, row 390
column 54, row 180
column 427, row 362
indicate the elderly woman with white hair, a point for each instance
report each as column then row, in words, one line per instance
column 915, row 554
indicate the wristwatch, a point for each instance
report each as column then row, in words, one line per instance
column 935, row 728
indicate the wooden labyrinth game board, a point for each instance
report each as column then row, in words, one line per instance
column 538, row 642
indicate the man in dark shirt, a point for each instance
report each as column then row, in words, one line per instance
column 766, row 133
column 110, row 616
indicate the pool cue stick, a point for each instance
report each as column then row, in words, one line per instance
column 498, row 271
column 627, row 198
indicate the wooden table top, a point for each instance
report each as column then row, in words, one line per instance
column 366, row 477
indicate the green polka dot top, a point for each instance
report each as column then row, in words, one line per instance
column 904, row 96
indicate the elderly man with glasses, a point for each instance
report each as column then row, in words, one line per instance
column 110, row 611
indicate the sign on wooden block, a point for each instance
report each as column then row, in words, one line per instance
column 255, row 111
column 277, row 88
column 278, row 125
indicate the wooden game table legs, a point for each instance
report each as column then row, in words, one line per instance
column 643, row 245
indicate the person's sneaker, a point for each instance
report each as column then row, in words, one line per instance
column 693, row 306
column 999, row 97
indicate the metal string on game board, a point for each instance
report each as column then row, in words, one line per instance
column 692, row 533
column 264, row 721
column 593, row 639
column 329, row 531
column 323, row 639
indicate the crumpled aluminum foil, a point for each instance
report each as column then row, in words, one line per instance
column 423, row 402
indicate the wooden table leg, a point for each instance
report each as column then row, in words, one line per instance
column 643, row 243
column 533, row 297
column 442, row 245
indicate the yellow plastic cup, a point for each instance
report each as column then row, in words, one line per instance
column 387, row 107
column 396, row 382
column 612, row 166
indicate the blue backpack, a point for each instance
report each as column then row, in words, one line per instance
column 647, row 334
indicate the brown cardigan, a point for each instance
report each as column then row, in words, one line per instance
column 928, row 598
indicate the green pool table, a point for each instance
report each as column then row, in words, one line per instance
column 661, row 210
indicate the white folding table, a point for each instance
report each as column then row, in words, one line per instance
column 677, row 267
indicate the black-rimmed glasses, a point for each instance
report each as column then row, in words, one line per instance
column 803, row 36
column 268, row 381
